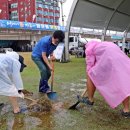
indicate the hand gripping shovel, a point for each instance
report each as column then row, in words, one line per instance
column 73, row 107
column 52, row 95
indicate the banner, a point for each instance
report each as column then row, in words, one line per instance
column 29, row 26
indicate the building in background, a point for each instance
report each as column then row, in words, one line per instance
column 47, row 12
column 4, row 9
column 37, row 11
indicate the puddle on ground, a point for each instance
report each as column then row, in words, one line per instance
column 57, row 118
column 83, row 80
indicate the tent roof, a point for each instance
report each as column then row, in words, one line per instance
column 100, row 14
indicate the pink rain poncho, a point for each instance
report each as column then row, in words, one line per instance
column 109, row 69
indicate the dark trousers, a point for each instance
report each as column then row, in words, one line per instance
column 44, row 72
column 43, row 68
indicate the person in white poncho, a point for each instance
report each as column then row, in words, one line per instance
column 11, row 64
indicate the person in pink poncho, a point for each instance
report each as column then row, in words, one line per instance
column 108, row 71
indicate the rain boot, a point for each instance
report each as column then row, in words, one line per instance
column 43, row 86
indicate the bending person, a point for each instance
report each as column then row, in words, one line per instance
column 108, row 71
column 42, row 50
column 11, row 64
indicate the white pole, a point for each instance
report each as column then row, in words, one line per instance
column 34, row 16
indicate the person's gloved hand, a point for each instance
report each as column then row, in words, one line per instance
column 21, row 94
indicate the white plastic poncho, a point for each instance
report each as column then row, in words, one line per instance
column 10, row 78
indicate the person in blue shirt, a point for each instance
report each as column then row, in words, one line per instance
column 42, row 50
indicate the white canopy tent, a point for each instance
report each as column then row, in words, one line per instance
column 99, row 14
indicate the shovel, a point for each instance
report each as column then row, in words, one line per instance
column 73, row 107
column 52, row 95
column 1, row 105
column 34, row 102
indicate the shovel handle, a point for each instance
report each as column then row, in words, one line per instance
column 30, row 99
column 52, row 75
column 84, row 92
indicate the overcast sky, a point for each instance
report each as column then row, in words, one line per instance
column 66, row 9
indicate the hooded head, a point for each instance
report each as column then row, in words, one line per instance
column 21, row 60
column 18, row 57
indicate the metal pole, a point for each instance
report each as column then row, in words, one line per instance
column 54, row 14
column 1, row 13
column 18, row 9
column 48, row 15
column 62, row 13
column 42, row 14
column 64, row 53
column 25, row 11
column 36, row 10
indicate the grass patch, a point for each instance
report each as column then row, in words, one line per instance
column 68, row 76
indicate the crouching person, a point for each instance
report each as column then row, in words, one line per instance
column 11, row 64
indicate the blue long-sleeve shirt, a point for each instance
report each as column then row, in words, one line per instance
column 43, row 45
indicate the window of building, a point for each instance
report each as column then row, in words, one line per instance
column 4, row 5
column 51, row 7
column 48, row 13
column 39, row 12
column 14, row 13
column 46, row 6
column 15, row 18
column 21, row 9
column 55, row 3
column 54, row 8
column 45, row 13
column 39, row 19
column 56, row 21
column 22, row 16
column 57, row 14
column 51, row 14
column 42, row 19
column 21, row 3
column 46, row 20
column 42, row 13
column 51, row 20
column 40, row 5
column 29, row 13
column 57, row 8
column 14, row 5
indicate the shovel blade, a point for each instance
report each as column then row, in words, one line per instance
column 52, row 95
column 73, row 107
column 1, row 105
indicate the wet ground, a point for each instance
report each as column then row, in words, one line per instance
column 59, row 117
